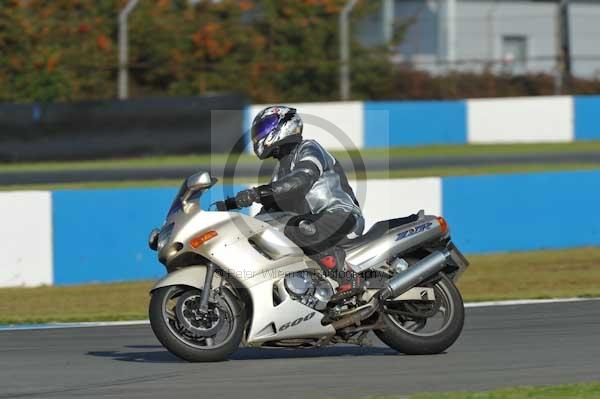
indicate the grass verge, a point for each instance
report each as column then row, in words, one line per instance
column 399, row 152
column 540, row 274
column 533, row 275
column 570, row 391
column 394, row 174
column 90, row 302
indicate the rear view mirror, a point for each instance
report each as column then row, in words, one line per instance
column 199, row 181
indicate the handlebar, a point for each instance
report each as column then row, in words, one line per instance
column 227, row 205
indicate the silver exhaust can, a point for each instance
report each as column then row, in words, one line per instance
column 417, row 273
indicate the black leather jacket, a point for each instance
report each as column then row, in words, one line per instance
column 308, row 179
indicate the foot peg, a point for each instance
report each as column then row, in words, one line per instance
column 349, row 287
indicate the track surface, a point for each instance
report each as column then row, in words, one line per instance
column 501, row 346
column 254, row 169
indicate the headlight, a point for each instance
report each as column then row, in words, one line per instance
column 165, row 235
column 298, row 283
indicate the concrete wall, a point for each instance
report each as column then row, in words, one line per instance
column 521, row 120
column 26, row 238
column 520, row 212
column 69, row 237
column 372, row 124
column 587, row 118
column 389, row 124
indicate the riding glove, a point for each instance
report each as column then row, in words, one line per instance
column 246, row 198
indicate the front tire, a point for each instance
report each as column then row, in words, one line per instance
column 188, row 339
column 414, row 341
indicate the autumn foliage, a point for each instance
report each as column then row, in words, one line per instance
column 64, row 50
column 56, row 50
column 270, row 50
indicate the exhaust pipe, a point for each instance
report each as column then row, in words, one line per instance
column 420, row 271
column 356, row 318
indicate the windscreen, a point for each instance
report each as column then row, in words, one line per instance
column 176, row 205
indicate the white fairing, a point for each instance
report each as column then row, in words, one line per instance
column 269, row 322
column 393, row 241
column 256, row 254
column 235, row 251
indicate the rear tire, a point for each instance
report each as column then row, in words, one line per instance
column 183, row 346
column 411, row 343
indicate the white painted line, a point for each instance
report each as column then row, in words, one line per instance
column 50, row 326
column 526, row 302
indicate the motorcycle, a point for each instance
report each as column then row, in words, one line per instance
column 234, row 280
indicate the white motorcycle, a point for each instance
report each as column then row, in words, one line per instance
column 238, row 280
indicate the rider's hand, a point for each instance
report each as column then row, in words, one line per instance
column 246, row 198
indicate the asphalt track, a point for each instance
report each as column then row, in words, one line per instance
column 254, row 169
column 500, row 346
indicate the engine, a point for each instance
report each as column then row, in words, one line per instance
column 309, row 288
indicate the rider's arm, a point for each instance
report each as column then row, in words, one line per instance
column 297, row 183
column 309, row 164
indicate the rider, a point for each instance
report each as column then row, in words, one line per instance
column 309, row 182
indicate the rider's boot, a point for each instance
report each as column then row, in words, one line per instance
column 349, row 282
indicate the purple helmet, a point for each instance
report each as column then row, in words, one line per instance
column 273, row 127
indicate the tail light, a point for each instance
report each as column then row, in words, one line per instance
column 443, row 224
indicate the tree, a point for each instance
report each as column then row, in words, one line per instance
column 271, row 50
column 60, row 50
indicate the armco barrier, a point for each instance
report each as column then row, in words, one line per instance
column 105, row 129
column 110, row 128
column 69, row 237
column 163, row 126
column 477, row 121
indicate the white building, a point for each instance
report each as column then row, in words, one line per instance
column 505, row 35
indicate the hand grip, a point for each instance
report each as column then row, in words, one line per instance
column 231, row 204
column 227, row 205
column 221, row 206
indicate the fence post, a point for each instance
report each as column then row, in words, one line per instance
column 123, row 83
column 345, row 50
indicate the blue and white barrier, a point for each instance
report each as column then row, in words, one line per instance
column 348, row 125
column 69, row 237
column 26, row 238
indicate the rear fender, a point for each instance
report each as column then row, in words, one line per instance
column 457, row 263
column 192, row 276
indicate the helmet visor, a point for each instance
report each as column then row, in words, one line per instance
column 264, row 127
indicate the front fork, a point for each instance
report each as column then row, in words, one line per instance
column 210, row 272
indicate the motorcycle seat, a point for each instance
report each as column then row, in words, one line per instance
column 377, row 231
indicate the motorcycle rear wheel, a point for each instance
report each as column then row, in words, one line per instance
column 409, row 336
column 188, row 339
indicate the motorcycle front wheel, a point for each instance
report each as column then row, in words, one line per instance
column 425, row 335
column 193, row 335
